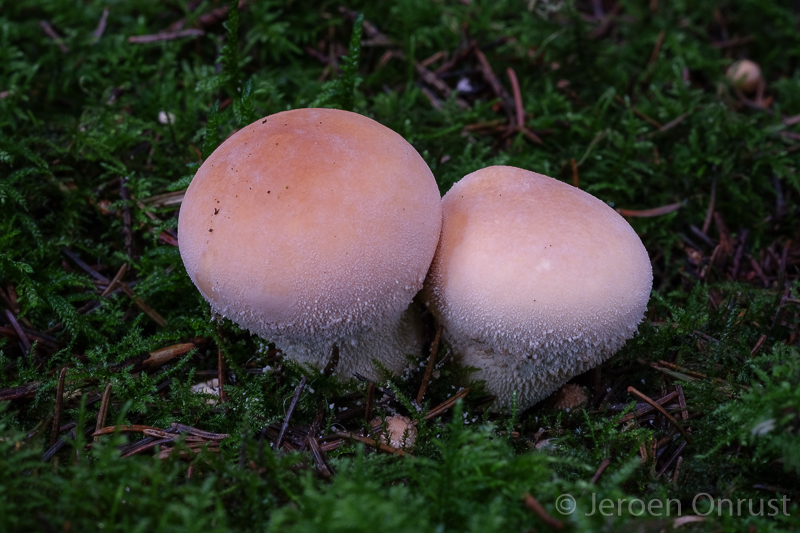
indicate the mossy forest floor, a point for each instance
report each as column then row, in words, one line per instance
column 106, row 110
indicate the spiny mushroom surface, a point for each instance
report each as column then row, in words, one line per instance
column 313, row 227
column 535, row 281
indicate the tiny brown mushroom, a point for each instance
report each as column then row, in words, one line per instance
column 745, row 75
column 401, row 432
column 569, row 396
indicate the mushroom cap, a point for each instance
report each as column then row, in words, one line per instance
column 531, row 269
column 402, row 432
column 745, row 75
column 310, row 224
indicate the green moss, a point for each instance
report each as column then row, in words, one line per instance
column 73, row 123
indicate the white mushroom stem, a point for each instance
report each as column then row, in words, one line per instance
column 389, row 343
column 532, row 379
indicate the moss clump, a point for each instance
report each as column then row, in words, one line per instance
column 99, row 134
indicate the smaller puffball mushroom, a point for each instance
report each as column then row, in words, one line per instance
column 745, row 75
column 313, row 228
column 401, row 432
column 534, row 281
column 569, row 396
column 207, row 387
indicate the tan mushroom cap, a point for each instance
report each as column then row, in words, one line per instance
column 402, row 432
column 534, row 280
column 745, row 74
column 312, row 227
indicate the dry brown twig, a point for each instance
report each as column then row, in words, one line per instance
column 165, row 36
column 661, row 410
column 59, row 402
column 101, row 415
column 600, row 470
column 534, row 505
column 447, row 404
column 101, row 26
column 48, row 29
column 655, row 212
column 431, row 364
column 23, row 338
column 647, row 408
column 372, row 443
column 297, row 391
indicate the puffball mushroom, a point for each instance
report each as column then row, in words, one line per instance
column 315, row 227
column 534, row 281
column 745, row 75
column 401, row 432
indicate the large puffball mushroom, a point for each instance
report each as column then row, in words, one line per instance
column 315, row 227
column 745, row 75
column 535, row 281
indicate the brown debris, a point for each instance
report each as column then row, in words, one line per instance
column 297, row 391
column 447, row 404
column 569, row 396
column 643, row 410
column 661, row 410
column 671, row 459
column 195, row 439
column 372, row 443
column 59, row 402
column 431, row 364
column 101, row 415
column 56, row 38
column 655, row 212
column 101, row 26
column 534, row 505
column 165, row 36
column 21, row 336
column 600, row 470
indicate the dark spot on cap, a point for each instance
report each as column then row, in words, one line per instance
column 210, row 230
column 216, row 211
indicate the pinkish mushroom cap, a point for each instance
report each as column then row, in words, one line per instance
column 535, row 281
column 313, row 227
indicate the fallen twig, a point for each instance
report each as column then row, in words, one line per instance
column 48, row 29
column 447, row 404
column 600, row 470
column 297, row 391
column 101, row 26
column 165, row 36
column 23, row 338
column 101, row 415
column 671, row 459
column 661, row 410
column 655, row 212
column 59, row 402
column 431, row 364
column 534, row 505
column 372, row 443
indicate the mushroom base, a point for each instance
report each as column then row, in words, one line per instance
column 532, row 379
column 389, row 343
